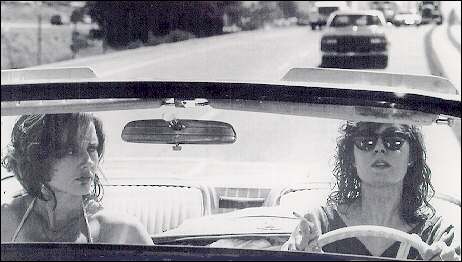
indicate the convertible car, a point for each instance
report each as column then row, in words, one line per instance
column 202, row 164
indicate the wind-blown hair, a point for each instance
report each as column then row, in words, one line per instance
column 417, row 187
column 37, row 141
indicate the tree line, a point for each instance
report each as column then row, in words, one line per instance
column 122, row 22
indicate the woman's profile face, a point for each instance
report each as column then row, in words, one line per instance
column 381, row 155
column 74, row 173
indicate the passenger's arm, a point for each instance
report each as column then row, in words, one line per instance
column 137, row 234
column 123, row 229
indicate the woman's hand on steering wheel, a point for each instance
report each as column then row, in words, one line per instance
column 439, row 251
column 305, row 236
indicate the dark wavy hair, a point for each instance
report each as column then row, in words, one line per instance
column 417, row 187
column 37, row 141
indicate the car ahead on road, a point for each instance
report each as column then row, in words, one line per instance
column 56, row 20
column 407, row 18
column 355, row 38
column 431, row 14
column 205, row 163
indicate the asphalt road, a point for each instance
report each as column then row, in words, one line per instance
column 271, row 145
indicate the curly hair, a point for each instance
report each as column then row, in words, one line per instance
column 37, row 141
column 417, row 188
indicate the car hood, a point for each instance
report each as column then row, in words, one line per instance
column 355, row 31
column 249, row 221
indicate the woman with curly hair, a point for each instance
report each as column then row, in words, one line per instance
column 382, row 179
column 56, row 159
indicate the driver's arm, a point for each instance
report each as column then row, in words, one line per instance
column 305, row 235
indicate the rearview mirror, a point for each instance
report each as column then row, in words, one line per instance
column 178, row 131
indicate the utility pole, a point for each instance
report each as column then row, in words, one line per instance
column 39, row 34
column 7, row 46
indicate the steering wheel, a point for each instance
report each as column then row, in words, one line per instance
column 407, row 240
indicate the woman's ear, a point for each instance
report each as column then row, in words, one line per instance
column 33, row 151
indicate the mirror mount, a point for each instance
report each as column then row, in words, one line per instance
column 176, row 147
column 185, row 103
column 176, row 125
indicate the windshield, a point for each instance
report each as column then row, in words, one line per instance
column 355, row 20
column 208, row 124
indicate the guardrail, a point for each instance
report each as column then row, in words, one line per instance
column 435, row 63
column 436, row 67
column 453, row 23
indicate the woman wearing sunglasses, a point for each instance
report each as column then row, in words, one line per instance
column 382, row 179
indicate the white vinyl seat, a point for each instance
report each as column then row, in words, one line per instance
column 159, row 208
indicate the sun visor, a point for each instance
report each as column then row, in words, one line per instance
column 341, row 112
column 375, row 81
column 15, row 76
column 77, row 105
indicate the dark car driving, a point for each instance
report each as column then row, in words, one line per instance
column 56, row 20
column 355, row 37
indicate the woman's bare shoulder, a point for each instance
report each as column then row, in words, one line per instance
column 12, row 211
column 96, row 210
column 118, row 221
column 121, row 228
column 12, row 207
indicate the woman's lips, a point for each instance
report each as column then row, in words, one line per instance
column 84, row 179
column 85, row 176
column 382, row 164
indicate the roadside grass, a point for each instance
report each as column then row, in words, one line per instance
column 19, row 47
column 12, row 11
column 174, row 36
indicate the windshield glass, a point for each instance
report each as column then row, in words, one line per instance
column 355, row 20
column 209, row 123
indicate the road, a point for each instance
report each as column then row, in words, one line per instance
column 263, row 55
column 269, row 152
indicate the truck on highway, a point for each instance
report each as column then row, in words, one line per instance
column 321, row 10
column 430, row 12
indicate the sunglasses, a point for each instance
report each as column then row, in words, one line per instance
column 391, row 141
